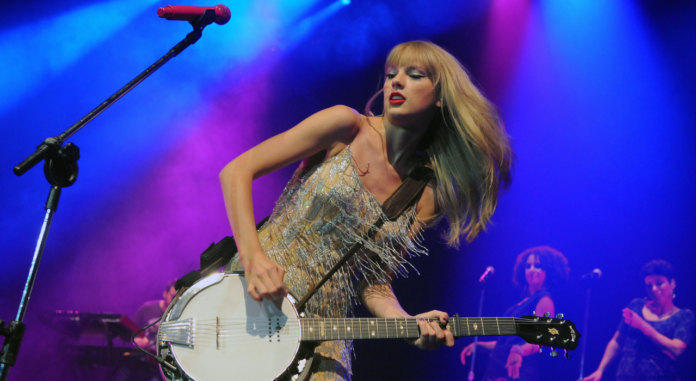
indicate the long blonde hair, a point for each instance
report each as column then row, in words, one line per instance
column 466, row 144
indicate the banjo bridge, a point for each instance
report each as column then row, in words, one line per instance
column 182, row 332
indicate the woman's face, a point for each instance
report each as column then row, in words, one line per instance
column 534, row 274
column 409, row 93
column 659, row 288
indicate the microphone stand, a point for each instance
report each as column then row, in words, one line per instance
column 473, row 352
column 585, row 326
column 60, row 169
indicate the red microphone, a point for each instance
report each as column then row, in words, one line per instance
column 191, row 13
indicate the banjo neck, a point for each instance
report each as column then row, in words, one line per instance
column 399, row 328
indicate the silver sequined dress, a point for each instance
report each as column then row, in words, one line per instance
column 321, row 213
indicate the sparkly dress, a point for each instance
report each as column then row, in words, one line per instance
column 322, row 212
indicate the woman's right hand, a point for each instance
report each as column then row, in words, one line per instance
column 467, row 351
column 596, row 376
column 264, row 278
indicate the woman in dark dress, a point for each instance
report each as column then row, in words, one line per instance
column 540, row 270
column 653, row 334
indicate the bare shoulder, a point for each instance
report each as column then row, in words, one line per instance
column 345, row 123
column 323, row 131
column 545, row 304
column 342, row 117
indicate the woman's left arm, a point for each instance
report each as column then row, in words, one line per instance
column 543, row 306
column 381, row 301
column 673, row 348
column 518, row 352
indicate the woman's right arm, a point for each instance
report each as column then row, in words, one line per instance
column 612, row 350
column 469, row 349
column 329, row 130
column 490, row 345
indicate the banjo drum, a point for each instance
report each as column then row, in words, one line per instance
column 215, row 331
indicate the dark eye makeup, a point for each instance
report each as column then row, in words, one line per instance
column 413, row 73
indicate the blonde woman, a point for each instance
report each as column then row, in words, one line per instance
column 433, row 116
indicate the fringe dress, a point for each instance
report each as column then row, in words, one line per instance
column 321, row 213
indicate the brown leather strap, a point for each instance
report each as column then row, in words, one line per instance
column 408, row 193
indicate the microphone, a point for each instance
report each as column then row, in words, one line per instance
column 489, row 271
column 594, row 274
column 191, row 13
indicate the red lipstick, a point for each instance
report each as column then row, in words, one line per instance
column 396, row 98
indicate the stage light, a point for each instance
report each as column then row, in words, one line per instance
column 345, row 2
column 36, row 52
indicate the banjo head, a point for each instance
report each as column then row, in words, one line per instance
column 217, row 332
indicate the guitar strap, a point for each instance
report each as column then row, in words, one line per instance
column 408, row 193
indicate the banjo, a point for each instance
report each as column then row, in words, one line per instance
column 215, row 331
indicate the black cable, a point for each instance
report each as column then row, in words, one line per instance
column 159, row 360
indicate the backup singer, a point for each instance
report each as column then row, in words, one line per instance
column 653, row 334
column 434, row 116
column 540, row 270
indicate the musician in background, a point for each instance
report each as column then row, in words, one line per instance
column 539, row 271
column 139, row 368
column 149, row 312
column 653, row 334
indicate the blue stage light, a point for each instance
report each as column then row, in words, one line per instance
column 36, row 52
column 345, row 2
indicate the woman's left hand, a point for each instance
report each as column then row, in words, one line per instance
column 514, row 362
column 432, row 336
column 633, row 319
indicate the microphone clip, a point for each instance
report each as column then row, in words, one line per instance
column 207, row 18
column 591, row 278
